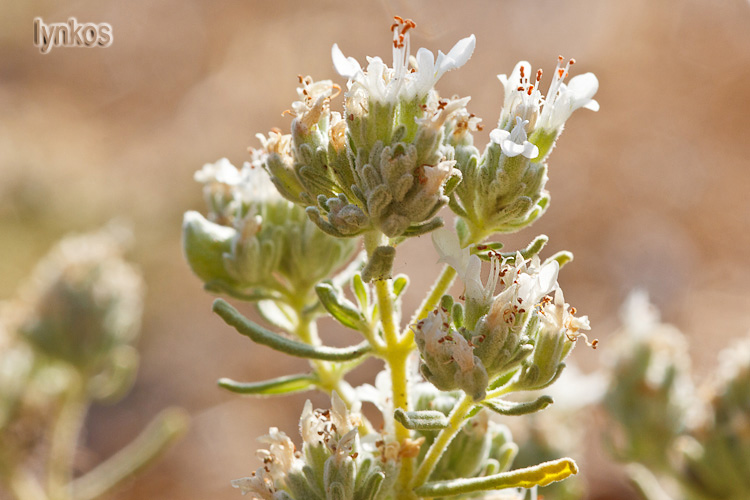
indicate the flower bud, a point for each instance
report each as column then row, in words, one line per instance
column 382, row 166
column 267, row 243
column 650, row 389
column 554, row 331
column 83, row 301
column 501, row 191
column 501, row 336
column 448, row 359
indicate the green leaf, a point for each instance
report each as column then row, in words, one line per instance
column 360, row 291
column 400, row 283
column 342, row 310
column 282, row 385
column 528, row 477
column 531, row 249
column 424, row 420
column 418, row 230
column 562, row 257
column 262, row 336
column 512, row 408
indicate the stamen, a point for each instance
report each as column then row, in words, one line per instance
column 337, row 88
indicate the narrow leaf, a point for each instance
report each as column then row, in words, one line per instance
column 528, row 477
column 504, row 407
column 418, row 230
column 262, row 336
column 532, row 249
column 400, row 283
column 282, row 385
column 339, row 306
column 562, row 257
column 425, row 420
column 360, row 291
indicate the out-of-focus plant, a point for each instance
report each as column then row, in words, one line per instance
column 67, row 341
column 679, row 442
column 379, row 172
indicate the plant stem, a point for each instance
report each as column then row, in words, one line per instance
column 64, row 441
column 396, row 355
column 22, row 484
column 442, row 284
column 154, row 440
column 329, row 378
column 444, row 438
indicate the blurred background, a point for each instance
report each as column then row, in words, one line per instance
column 652, row 191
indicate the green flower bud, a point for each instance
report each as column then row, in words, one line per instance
column 383, row 167
column 83, row 301
column 501, row 191
column 714, row 459
column 205, row 243
column 267, row 244
column 501, row 336
column 649, row 390
column 554, row 331
column 448, row 359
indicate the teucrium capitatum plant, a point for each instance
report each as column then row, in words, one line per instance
column 380, row 171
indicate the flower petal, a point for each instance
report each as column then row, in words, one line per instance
column 459, row 54
column 499, row 135
column 345, row 66
column 530, row 151
column 511, row 149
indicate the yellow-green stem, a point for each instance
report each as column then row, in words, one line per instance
column 64, row 441
column 396, row 355
column 330, row 379
column 22, row 484
column 444, row 438
column 441, row 286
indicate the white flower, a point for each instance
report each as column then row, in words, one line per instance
column 442, row 343
column 563, row 99
column 536, row 280
column 279, row 459
column 388, row 85
column 522, row 97
column 255, row 185
column 430, row 70
column 514, row 143
column 221, row 172
column 438, row 111
column 524, row 287
column 332, row 428
column 449, row 249
column 468, row 267
column 260, row 484
column 638, row 314
column 560, row 316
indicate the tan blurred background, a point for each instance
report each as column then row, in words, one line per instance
column 652, row 191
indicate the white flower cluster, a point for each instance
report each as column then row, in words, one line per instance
column 526, row 110
column 390, row 84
